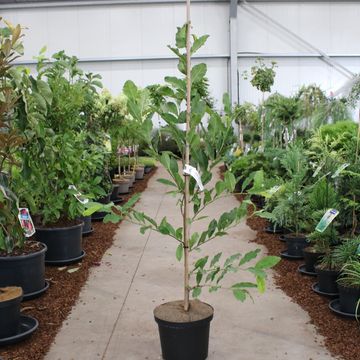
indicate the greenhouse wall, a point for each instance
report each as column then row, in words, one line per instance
column 129, row 41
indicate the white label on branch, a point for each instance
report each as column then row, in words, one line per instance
column 326, row 220
column 340, row 169
column 181, row 126
column 274, row 189
column 190, row 170
column 79, row 196
column 26, row 222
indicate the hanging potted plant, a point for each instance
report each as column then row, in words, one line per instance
column 184, row 324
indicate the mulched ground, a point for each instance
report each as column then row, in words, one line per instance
column 341, row 336
column 54, row 306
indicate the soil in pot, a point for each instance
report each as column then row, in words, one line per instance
column 296, row 244
column 327, row 280
column 64, row 243
column 10, row 299
column 184, row 335
column 349, row 298
column 25, row 268
column 311, row 257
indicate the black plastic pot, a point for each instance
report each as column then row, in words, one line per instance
column 64, row 244
column 147, row 169
column 99, row 215
column 311, row 259
column 25, row 271
column 184, row 341
column 327, row 280
column 10, row 317
column 295, row 244
column 258, row 200
column 349, row 298
column 87, row 227
column 115, row 192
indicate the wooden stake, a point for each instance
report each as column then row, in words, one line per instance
column 186, row 224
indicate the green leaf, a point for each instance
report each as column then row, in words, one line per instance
column 181, row 37
column 267, row 262
column 179, row 252
column 198, row 43
column 201, row 263
column 244, row 285
column 199, row 276
column 92, row 207
column 231, row 259
column 219, row 187
column 215, row 259
column 130, row 90
column 261, row 285
column 230, row 181
column 166, row 182
column 239, row 294
column 196, row 292
column 113, row 218
column 44, row 90
column 198, row 72
column 249, row 256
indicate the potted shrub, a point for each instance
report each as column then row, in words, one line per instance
column 349, row 287
column 52, row 160
column 21, row 262
column 184, row 324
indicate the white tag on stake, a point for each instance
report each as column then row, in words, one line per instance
column 190, row 170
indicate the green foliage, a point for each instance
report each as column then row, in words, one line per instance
column 11, row 234
column 350, row 274
column 208, row 144
column 262, row 76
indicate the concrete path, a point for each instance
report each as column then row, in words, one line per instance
column 113, row 318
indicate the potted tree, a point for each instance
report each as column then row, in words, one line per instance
column 184, row 324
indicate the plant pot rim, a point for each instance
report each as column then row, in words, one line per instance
column 27, row 256
column 319, row 268
column 291, row 236
column 3, row 303
column 309, row 249
column 64, row 228
column 185, row 323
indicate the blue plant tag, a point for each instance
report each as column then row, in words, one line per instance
column 326, row 220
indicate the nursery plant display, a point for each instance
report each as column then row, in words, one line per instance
column 21, row 262
column 184, row 324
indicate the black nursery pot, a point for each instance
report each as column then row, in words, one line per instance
column 64, row 244
column 139, row 173
column 295, row 244
column 180, row 341
column 10, row 317
column 115, row 192
column 327, row 280
column 25, row 271
column 311, row 259
column 87, row 227
column 99, row 215
column 147, row 169
column 349, row 298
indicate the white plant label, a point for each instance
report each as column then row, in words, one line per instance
column 339, row 170
column 26, row 222
column 274, row 189
column 190, row 170
column 107, row 143
column 79, row 196
column 181, row 126
column 326, row 220
column 316, row 172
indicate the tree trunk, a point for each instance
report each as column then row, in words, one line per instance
column 186, row 224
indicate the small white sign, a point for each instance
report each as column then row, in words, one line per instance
column 79, row 196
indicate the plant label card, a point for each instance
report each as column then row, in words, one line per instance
column 339, row 170
column 181, row 126
column 79, row 196
column 26, row 222
column 107, row 143
column 316, row 172
column 326, row 220
column 274, row 190
column 190, row 170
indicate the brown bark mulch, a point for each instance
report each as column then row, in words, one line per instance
column 341, row 336
column 54, row 306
